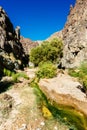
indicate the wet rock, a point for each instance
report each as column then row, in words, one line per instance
column 63, row 89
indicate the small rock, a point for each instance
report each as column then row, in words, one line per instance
column 24, row 127
column 42, row 123
column 55, row 128
column 38, row 128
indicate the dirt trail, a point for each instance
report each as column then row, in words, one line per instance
column 25, row 113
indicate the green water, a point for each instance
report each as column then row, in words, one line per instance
column 74, row 119
column 69, row 116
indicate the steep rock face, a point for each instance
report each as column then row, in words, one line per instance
column 75, row 35
column 58, row 35
column 11, row 50
column 28, row 44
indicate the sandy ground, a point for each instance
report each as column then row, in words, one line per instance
column 25, row 113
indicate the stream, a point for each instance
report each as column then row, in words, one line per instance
column 68, row 116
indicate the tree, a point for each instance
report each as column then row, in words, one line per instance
column 58, row 44
column 47, row 51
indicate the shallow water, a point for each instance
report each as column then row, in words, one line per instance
column 66, row 117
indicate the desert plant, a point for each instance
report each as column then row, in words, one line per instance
column 59, row 45
column 46, row 70
column 73, row 72
column 81, row 74
column 47, row 51
column 8, row 72
column 17, row 76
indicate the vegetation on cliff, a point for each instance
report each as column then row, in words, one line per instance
column 81, row 74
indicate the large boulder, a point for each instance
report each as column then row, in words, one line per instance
column 65, row 90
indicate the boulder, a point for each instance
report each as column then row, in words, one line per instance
column 65, row 90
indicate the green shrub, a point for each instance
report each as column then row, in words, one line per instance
column 15, row 76
column 81, row 74
column 59, row 45
column 47, row 51
column 83, row 68
column 84, row 81
column 46, row 70
column 73, row 73
column 7, row 72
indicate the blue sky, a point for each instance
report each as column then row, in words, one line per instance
column 38, row 19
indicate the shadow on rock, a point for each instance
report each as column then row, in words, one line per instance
column 5, row 85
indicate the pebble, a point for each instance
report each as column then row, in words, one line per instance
column 24, row 127
column 42, row 123
column 55, row 128
column 38, row 128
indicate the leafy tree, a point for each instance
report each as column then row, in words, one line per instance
column 36, row 55
column 59, row 45
column 47, row 51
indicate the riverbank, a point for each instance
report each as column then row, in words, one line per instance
column 64, row 93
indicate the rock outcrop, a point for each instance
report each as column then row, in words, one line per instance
column 12, row 54
column 58, row 35
column 28, row 44
column 75, row 35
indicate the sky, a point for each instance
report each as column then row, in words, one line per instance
column 38, row 19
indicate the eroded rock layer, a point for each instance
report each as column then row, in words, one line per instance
column 75, row 35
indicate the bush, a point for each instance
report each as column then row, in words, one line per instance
column 47, row 51
column 73, row 73
column 46, row 70
column 15, row 76
column 83, row 68
column 81, row 74
column 8, row 72
column 58, row 44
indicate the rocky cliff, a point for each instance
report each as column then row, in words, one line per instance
column 12, row 54
column 75, row 35
column 58, row 35
column 28, row 44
